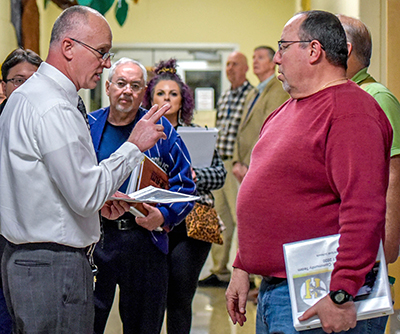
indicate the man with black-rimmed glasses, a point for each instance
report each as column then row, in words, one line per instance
column 319, row 168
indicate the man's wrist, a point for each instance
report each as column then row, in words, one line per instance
column 340, row 297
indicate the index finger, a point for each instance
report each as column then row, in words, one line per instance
column 154, row 115
column 308, row 314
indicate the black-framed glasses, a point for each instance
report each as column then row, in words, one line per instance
column 135, row 86
column 282, row 48
column 104, row 55
column 16, row 81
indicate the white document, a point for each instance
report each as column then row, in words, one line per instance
column 309, row 265
column 152, row 194
column 200, row 143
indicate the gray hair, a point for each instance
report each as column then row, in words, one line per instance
column 123, row 61
column 359, row 36
column 271, row 51
column 69, row 21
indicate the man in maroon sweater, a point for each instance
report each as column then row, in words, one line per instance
column 320, row 168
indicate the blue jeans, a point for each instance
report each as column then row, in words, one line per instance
column 274, row 314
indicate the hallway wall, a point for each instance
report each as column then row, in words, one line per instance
column 246, row 23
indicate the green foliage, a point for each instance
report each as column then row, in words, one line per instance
column 121, row 12
column 85, row 2
column 102, row 6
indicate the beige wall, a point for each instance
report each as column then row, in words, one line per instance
column 8, row 40
column 393, row 46
column 245, row 23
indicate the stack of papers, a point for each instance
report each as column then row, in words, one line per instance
column 152, row 194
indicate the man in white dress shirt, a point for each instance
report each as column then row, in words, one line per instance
column 51, row 187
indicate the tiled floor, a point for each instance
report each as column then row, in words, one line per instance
column 210, row 315
column 394, row 323
column 209, row 311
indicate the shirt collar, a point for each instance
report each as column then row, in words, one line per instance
column 261, row 86
column 360, row 76
column 66, row 84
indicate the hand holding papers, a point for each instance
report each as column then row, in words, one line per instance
column 200, row 143
column 114, row 209
column 155, row 195
column 309, row 264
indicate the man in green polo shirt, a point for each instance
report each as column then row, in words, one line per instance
column 360, row 48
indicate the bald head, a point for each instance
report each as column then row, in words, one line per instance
column 236, row 69
column 79, row 47
column 71, row 21
column 359, row 37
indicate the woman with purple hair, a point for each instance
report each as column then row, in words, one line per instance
column 186, row 255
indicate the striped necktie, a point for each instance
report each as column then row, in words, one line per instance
column 82, row 109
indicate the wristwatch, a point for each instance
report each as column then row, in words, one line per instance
column 340, row 297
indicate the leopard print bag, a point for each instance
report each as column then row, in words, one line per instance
column 202, row 223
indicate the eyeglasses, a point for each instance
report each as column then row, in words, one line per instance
column 104, row 55
column 135, row 86
column 283, row 48
column 16, row 81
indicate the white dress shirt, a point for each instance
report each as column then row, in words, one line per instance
column 51, row 186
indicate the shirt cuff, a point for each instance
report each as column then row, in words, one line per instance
column 132, row 154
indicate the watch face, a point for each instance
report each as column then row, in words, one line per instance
column 339, row 297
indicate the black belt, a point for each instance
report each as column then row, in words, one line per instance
column 274, row 280
column 122, row 224
column 49, row 246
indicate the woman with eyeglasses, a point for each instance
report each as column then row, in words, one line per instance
column 19, row 65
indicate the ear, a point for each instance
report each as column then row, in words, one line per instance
column 67, row 48
column 108, row 88
column 349, row 48
column 315, row 51
column 3, row 86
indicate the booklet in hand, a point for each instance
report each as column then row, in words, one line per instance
column 148, row 173
column 309, row 265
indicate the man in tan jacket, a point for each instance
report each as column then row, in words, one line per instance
column 260, row 103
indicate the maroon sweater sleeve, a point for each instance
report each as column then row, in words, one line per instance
column 357, row 164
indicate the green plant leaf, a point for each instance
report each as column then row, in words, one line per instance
column 102, row 5
column 85, row 2
column 121, row 11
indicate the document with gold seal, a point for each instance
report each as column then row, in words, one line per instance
column 309, row 264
